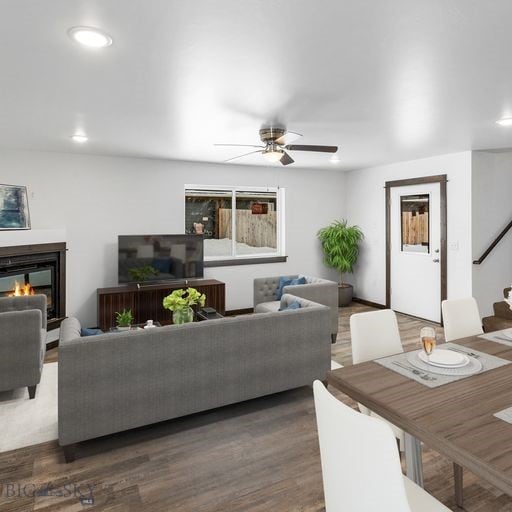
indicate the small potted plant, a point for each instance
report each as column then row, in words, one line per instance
column 124, row 319
column 180, row 302
column 340, row 244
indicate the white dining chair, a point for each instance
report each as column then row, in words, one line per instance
column 360, row 465
column 461, row 318
column 375, row 334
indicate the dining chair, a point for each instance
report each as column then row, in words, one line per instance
column 374, row 335
column 360, row 465
column 461, row 318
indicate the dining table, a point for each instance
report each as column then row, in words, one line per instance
column 455, row 419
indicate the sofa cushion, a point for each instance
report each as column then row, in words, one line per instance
column 87, row 331
column 268, row 307
column 286, row 281
column 293, row 305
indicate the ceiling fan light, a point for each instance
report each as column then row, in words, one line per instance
column 273, row 155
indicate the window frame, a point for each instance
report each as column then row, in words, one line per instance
column 245, row 259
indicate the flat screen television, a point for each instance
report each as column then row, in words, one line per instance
column 157, row 258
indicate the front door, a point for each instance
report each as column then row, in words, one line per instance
column 415, row 236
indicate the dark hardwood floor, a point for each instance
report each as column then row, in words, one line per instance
column 258, row 456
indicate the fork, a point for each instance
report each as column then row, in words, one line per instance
column 420, row 374
column 471, row 354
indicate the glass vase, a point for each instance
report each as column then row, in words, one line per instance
column 183, row 316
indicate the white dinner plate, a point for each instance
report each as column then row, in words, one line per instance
column 474, row 366
column 444, row 358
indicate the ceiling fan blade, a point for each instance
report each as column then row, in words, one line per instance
column 241, row 145
column 287, row 138
column 286, row 159
column 245, row 154
column 320, row 149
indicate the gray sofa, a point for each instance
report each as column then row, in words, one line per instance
column 118, row 381
column 317, row 290
column 22, row 342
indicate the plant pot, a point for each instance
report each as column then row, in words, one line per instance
column 124, row 327
column 183, row 316
column 345, row 293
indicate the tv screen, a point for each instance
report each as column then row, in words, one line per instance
column 153, row 258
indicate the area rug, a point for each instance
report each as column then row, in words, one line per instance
column 25, row 422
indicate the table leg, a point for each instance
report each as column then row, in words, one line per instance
column 458, row 477
column 413, row 460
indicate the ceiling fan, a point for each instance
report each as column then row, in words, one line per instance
column 276, row 143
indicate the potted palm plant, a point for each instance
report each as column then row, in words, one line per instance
column 340, row 244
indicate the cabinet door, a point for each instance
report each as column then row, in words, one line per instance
column 109, row 303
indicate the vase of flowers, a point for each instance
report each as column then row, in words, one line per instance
column 181, row 302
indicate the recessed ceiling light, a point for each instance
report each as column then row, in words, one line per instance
column 506, row 121
column 80, row 138
column 90, row 37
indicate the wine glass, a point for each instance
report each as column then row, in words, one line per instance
column 428, row 340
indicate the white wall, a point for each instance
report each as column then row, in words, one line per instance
column 365, row 206
column 492, row 211
column 95, row 198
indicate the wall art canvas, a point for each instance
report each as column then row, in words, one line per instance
column 14, row 212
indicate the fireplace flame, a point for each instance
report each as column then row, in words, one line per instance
column 20, row 290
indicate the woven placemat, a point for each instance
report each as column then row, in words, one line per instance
column 497, row 337
column 505, row 415
column 434, row 380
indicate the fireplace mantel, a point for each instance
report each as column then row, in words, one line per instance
column 31, row 237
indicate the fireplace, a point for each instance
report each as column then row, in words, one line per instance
column 36, row 269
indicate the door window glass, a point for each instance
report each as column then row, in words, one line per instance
column 414, row 214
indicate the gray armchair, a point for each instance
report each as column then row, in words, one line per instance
column 317, row 290
column 22, row 342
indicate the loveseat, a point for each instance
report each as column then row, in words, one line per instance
column 315, row 289
column 118, row 381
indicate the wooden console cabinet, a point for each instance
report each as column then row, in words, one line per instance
column 145, row 301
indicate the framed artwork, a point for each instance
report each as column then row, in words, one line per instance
column 14, row 212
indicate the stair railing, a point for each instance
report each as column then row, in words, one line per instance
column 493, row 244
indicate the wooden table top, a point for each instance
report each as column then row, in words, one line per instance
column 455, row 419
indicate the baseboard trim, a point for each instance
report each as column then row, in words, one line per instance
column 235, row 312
column 369, row 303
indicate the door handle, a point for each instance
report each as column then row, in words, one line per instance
column 436, row 260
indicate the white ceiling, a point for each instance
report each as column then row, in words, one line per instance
column 386, row 80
